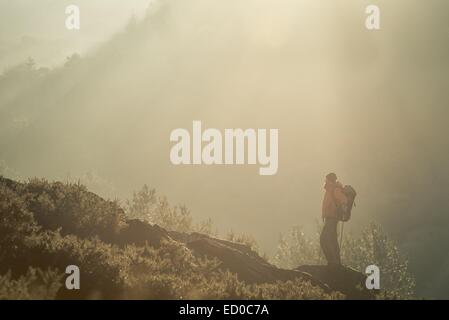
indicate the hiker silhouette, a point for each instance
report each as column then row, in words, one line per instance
column 333, row 203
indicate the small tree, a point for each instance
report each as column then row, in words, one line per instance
column 374, row 247
column 297, row 249
column 147, row 206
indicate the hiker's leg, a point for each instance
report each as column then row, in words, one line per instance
column 337, row 245
column 325, row 242
column 335, row 248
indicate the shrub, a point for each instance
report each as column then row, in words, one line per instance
column 35, row 284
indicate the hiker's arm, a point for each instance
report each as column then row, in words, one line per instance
column 340, row 196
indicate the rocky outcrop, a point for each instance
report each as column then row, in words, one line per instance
column 251, row 268
column 340, row 278
column 241, row 260
column 140, row 233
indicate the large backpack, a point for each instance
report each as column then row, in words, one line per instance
column 344, row 212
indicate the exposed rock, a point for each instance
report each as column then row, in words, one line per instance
column 244, row 262
column 188, row 238
column 343, row 279
column 251, row 268
column 140, row 233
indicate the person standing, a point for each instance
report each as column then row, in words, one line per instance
column 334, row 203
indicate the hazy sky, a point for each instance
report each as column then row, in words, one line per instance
column 30, row 28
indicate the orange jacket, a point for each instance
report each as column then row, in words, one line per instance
column 329, row 209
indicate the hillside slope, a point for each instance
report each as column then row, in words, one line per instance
column 51, row 225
